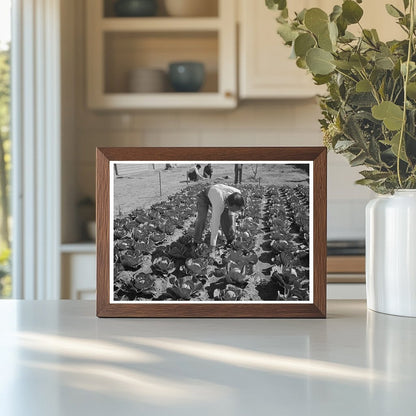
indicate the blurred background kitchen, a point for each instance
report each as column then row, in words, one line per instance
column 187, row 73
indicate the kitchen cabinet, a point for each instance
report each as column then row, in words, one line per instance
column 265, row 70
column 78, row 262
column 118, row 45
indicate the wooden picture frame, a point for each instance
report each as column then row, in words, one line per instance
column 109, row 302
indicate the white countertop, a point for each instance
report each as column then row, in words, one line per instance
column 57, row 358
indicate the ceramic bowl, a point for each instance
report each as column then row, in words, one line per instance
column 186, row 76
column 135, row 8
column 147, row 80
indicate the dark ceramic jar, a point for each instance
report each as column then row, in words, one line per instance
column 186, row 76
column 135, row 8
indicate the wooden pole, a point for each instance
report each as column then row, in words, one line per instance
column 160, row 183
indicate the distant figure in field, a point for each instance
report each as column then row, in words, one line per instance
column 208, row 171
column 193, row 173
column 224, row 201
column 238, row 173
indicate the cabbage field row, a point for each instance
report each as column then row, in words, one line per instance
column 154, row 258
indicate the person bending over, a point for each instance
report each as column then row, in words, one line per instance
column 193, row 173
column 224, row 201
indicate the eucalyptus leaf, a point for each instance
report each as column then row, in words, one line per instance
column 393, row 11
column 358, row 160
column 281, row 19
column 358, row 61
column 363, row 86
column 362, row 100
column 301, row 63
column 303, row 43
column 388, row 112
column 369, row 36
column 316, row 20
column 365, row 182
column 374, row 151
column 342, row 25
column 325, row 42
column 320, row 61
column 345, row 65
column 405, row 21
column 382, row 89
column 394, row 144
column 343, row 145
column 385, row 50
column 351, row 11
column 354, row 132
column 333, row 32
column 276, row 4
column 411, row 90
column 378, row 187
column 411, row 123
column 301, row 15
column 335, row 91
column 374, row 174
column 347, row 37
column 375, row 35
column 287, row 33
column 336, row 12
column 385, row 62
column 412, row 67
column 321, row 79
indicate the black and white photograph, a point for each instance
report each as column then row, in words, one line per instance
column 211, row 232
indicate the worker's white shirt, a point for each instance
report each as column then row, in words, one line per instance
column 193, row 169
column 217, row 195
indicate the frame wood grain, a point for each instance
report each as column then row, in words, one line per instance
column 317, row 309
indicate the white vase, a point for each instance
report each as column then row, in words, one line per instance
column 391, row 253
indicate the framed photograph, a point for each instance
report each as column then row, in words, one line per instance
column 211, row 232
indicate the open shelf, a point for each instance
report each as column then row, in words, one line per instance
column 167, row 100
column 116, row 46
column 160, row 24
column 126, row 51
column 210, row 10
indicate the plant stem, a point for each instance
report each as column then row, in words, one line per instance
column 406, row 80
column 373, row 88
column 392, row 91
column 346, row 75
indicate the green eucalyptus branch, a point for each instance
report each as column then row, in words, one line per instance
column 365, row 117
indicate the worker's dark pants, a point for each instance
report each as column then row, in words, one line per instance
column 238, row 173
column 202, row 204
